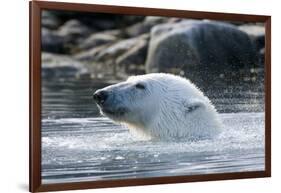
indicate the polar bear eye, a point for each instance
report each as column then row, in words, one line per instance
column 140, row 86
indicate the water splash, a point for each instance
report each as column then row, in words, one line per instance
column 96, row 148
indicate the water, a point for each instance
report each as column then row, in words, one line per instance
column 80, row 145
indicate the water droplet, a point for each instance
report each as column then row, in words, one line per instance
column 119, row 157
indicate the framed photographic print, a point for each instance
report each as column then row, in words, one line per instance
column 123, row 96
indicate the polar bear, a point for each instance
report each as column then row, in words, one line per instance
column 161, row 106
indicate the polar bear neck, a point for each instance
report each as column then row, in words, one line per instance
column 176, row 119
column 176, row 123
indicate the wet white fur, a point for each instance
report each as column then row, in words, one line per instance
column 170, row 107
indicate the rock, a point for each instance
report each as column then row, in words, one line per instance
column 65, row 39
column 49, row 20
column 119, row 57
column 73, row 33
column 132, row 61
column 134, row 56
column 61, row 66
column 118, row 33
column 117, row 49
column 52, row 42
column 90, row 55
column 145, row 26
column 256, row 32
column 73, row 27
column 132, row 19
column 97, row 39
column 199, row 45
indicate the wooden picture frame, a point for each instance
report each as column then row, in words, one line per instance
column 35, row 95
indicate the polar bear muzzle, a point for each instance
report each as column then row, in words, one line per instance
column 108, row 104
column 100, row 96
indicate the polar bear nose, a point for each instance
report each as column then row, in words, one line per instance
column 100, row 96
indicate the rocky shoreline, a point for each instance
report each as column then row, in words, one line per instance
column 108, row 46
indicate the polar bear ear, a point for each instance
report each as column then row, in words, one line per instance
column 192, row 106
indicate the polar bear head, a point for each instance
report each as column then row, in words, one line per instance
column 159, row 105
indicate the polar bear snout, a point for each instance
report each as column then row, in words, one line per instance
column 109, row 104
column 100, row 96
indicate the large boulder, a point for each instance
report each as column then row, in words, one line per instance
column 199, row 45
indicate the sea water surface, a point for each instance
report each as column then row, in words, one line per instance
column 80, row 145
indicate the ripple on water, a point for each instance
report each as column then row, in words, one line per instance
column 81, row 149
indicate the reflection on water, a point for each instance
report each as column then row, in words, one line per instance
column 80, row 145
